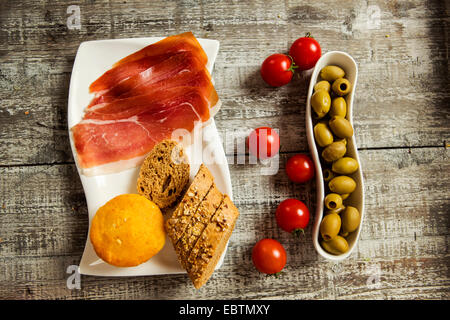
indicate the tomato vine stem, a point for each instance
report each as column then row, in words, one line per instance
column 293, row 65
column 298, row 232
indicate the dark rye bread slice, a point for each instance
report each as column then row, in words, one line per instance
column 164, row 173
column 177, row 224
column 211, row 244
column 198, row 223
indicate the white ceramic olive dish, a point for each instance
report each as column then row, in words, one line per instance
column 356, row 199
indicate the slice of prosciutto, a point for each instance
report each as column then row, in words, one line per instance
column 155, row 100
column 124, row 71
column 159, row 90
column 127, row 138
column 170, row 45
column 175, row 65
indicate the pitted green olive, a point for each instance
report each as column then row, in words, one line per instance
column 338, row 107
column 345, row 165
column 343, row 234
column 334, row 151
column 345, row 196
column 337, row 210
column 333, row 201
column 322, row 134
column 331, row 73
column 328, row 174
column 341, row 86
column 341, row 127
column 321, row 102
column 319, row 115
column 342, row 185
column 350, row 219
column 322, row 85
column 338, row 245
column 330, row 226
column 343, row 140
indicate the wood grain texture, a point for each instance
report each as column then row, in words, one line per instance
column 402, row 90
column 405, row 237
column 401, row 122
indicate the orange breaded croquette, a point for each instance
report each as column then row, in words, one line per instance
column 128, row 230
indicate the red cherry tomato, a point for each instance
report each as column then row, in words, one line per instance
column 269, row 256
column 277, row 70
column 292, row 216
column 263, row 142
column 300, row 168
column 305, row 51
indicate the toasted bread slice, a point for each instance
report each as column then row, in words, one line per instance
column 198, row 223
column 206, row 253
column 177, row 224
column 164, row 174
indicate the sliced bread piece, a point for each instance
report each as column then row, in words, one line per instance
column 206, row 253
column 164, row 174
column 198, row 223
column 177, row 224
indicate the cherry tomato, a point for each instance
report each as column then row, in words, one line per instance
column 269, row 256
column 263, row 142
column 277, row 70
column 300, row 168
column 305, row 51
column 292, row 216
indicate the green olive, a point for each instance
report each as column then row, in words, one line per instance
column 341, row 87
column 337, row 210
column 328, row 175
column 322, row 134
column 331, row 73
column 345, row 196
column 319, row 115
column 338, row 107
column 343, row 234
column 345, row 165
column 330, row 226
column 321, row 102
column 338, row 245
column 343, row 140
column 350, row 219
column 333, row 201
column 342, row 185
column 334, row 151
column 341, row 127
column 322, row 85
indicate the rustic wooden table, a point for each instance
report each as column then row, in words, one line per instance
column 401, row 122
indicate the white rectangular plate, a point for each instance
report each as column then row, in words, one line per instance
column 92, row 60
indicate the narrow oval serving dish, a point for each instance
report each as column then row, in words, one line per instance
column 356, row 199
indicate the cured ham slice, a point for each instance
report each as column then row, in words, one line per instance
column 104, row 140
column 115, row 75
column 145, row 98
column 158, row 90
column 156, row 101
column 184, row 62
column 170, row 45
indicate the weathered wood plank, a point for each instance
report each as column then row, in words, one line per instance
column 43, row 132
column 405, row 228
column 35, row 69
column 43, row 193
column 306, row 281
column 401, row 101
